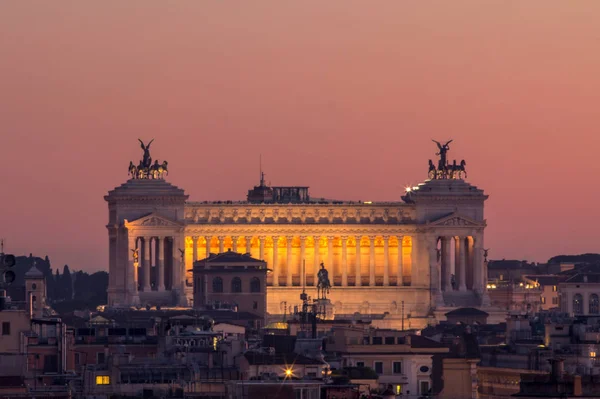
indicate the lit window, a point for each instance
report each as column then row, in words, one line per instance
column 592, row 354
column 554, row 288
column 398, row 390
column 103, row 380
column 543, row 299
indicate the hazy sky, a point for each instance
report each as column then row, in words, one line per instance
column 343, row 96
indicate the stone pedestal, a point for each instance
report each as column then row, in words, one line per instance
column 326, row 309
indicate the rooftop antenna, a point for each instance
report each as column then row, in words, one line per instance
column 262, row 175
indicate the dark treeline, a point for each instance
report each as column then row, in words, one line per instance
column 66, row 290
column 583, row 258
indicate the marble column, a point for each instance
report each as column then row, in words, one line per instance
column 302, row 261
column 386, row 261
column 178, row 276
column 317, row 240
column 372, row 261
column 446, row 263
column 249, row 245
column 469, row 262
column 146, row 263
column 261, row 247
column 344, row 261
column 435, row 271
column 330, row 254
column 234, row 243
column 400, row 267
column 132, row 267
column 194, row 249
column 462, row 262
column 274, row 264
column 478, row 283
column 358, row 278
column 289, row 261
column 207, row 246
column 160, row 267
column 221, row 244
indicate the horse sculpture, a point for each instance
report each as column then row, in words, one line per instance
column 154, row 171
column 432, row 171
column 457, row 170
column 449, row 171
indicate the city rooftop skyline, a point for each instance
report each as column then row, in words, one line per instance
column 340, row 97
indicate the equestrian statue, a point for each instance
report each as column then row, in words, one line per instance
column 323, row 284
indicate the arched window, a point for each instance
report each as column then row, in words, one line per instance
column 577, row 304
column 255, row 284
column 217, row 284
column 236, row 284
column 594, row 305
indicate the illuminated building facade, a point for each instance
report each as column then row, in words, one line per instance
column 405, row 257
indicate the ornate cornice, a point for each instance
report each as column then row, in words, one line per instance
column 299, row 214
column 152, row 220
column 300, row 230
column 455, row 219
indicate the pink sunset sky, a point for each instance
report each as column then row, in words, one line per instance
column 343, row 96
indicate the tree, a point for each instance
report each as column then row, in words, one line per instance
column 66, row 283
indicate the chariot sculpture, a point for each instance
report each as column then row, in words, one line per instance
column 444, row 169
column 146, row 169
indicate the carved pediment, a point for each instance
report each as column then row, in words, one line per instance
column 456, row 219
column 152, row 220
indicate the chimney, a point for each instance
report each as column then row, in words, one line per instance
column 558, row 368
column 577, row 389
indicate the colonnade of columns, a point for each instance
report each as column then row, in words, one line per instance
column 355, row 260
column 148, row 252
column 457, row 260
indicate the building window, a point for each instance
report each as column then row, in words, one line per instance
column 398, row 390
column 360, row 364
column 377, row 340
column 5, row 328
column 554, row 288
column 378, row 366
column 50, row 364
column 397, row 367
column 555, row 300
column 423, row 387
column 390, row 340
column 255, row 284
column 103, row 380
column 543, row 300
column 236, row 284
column 100, row 358
column 594, row 308
column 255, row 305
column 217, row 284
column 577, row 304
column 77, row 359
column 424, row 369
column 33, row 286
